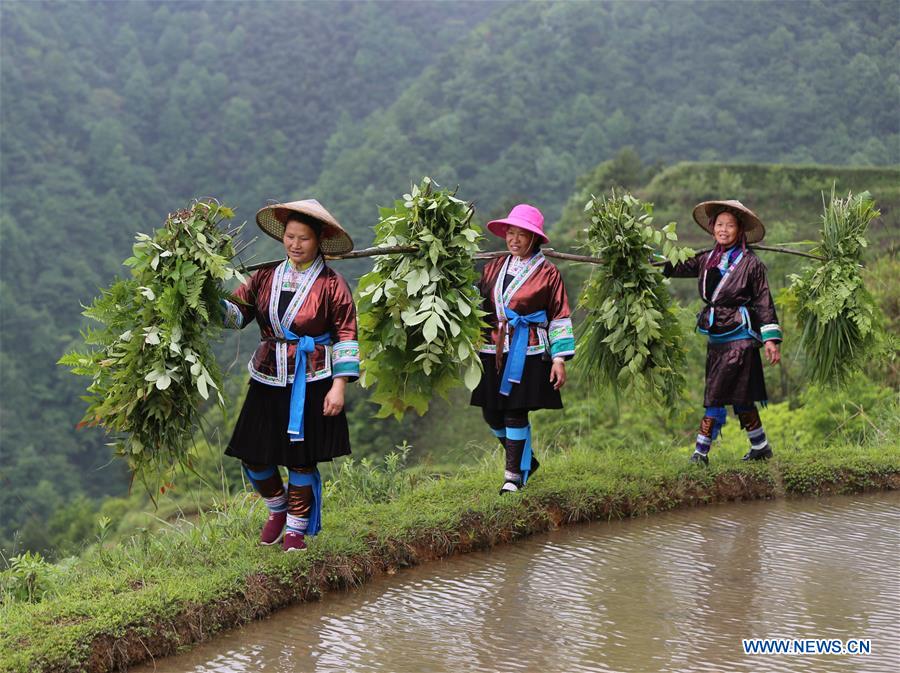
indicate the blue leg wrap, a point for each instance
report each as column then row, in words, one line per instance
column 313, row 479
column 256, row 477
column 518, row 434
column 720, row 415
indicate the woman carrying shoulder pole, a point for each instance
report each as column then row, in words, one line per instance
column 529, row 340
column 293, row 414
column 738, row 318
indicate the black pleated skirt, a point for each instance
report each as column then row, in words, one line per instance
column 534, row 392
column 734, row 374
column 260, row 434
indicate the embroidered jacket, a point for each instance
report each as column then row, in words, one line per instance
column 321, row 304
column 743, row 292
column 536, row 285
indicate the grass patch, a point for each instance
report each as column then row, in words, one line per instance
column 158, row 592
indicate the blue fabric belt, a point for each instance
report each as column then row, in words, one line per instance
column 313, row 479
column 518, row 347
column 518, row 434
column 742, row 331
column 305, row 345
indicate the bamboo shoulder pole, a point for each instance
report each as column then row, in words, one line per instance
column 548, row 252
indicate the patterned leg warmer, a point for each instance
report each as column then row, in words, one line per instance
column 267, row 482
column 301, row 499
column 750, row 421
column 710, row 428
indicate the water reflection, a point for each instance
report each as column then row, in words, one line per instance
column 675, row 592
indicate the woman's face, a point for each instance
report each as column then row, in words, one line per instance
column 518, row 240
column 300, row 242
column 726, row 229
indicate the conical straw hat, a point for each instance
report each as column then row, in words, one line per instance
column 753, row 227
column 334, row 239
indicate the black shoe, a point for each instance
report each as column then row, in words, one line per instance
column 699, row 458
column 534, row 467
column 758, row 454
column 509, row 487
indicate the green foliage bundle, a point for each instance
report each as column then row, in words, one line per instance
column 631, row 331
column 151, row 365
column 419, row 321
column 842, row 325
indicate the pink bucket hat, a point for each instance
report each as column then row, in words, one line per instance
column 523, row 216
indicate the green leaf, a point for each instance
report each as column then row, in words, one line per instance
column 473, row 375
column 429, row 331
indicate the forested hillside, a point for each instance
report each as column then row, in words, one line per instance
column 115, row 113
column 541, row 92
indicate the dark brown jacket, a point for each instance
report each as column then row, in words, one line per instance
column 744, row 284
column 327, row 308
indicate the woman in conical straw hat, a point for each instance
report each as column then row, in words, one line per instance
column 293, row 414
column 738, row 319
column 528, row 342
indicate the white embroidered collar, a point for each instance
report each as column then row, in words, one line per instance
column 516, row 264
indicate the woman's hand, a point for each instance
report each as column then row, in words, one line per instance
column 558, row 373
column 773, row 353
column 334, row 400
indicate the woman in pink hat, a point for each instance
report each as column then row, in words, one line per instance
column 529, row 340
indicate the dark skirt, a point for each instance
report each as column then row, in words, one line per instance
column 734, row 374
column 260, row 434
column 534, row 392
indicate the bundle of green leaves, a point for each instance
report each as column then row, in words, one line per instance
column 842, row 326
column 630, row 338
column 151, row 363
column 419, row 317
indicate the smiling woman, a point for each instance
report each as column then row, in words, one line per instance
column 738, row 317
column 528, row 340
column 293, row 414
column 726, row 229
column 301, row 240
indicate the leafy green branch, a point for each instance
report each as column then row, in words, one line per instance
column 842, row 327
column 151, row 364
column 631, row 331
column 419, row 321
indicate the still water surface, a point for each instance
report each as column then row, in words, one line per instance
column 672, row 592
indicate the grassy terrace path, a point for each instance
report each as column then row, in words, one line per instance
column 158, row 593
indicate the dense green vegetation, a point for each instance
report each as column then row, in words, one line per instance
column 630, row 336
column 540, row 93
column 419, row 322
column 115, row 113
column 149, row 360
column 149, row 594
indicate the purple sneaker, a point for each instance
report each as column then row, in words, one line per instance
column 293, row 541
column 271, row 532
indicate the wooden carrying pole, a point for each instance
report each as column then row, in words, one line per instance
column 548, row 252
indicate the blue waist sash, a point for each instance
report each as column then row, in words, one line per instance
column 518, row 346
column 305, row 345
column 742, row 331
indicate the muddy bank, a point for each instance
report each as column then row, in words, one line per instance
column 564, row 501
